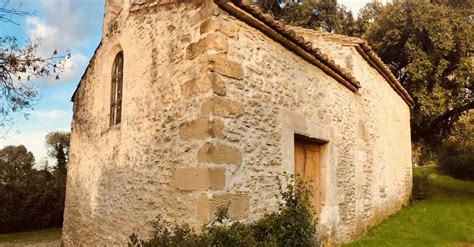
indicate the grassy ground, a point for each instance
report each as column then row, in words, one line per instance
column 445, row 219
column 39, row 236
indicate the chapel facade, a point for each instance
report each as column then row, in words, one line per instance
column 190, row 105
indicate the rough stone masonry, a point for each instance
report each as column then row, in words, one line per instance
column 214, row 93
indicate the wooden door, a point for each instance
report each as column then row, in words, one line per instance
column 307, row 166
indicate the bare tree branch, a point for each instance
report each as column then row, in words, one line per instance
column 18, row 67
column 7, row 11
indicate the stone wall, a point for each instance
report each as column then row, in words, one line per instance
column 210, row 110
column 366, row 164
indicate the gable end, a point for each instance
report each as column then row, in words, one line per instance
column 253, row 16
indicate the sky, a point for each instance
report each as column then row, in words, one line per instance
column 67, row 26
column 356, row 5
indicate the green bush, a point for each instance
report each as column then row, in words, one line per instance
column 457, row 161
column 456, row 153
column 420, row 189
column 293, row 224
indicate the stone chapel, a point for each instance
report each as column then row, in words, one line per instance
column 188, row 105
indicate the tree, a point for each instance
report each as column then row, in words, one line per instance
column 18, row 66
column 367, row 17
column 57, row 143
column 326, row 15
column 465, row 6
column 58, row 148
column 272, row 6
column 15, row 163
column 429, row 47
column 456, row 153
column 29, row 198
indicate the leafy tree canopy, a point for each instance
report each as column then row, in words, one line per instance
column 15, row 162
column 325, row 15
column 429, row 47
column 58, row 148
column 29, row 198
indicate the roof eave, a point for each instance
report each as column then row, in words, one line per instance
column 369, row 55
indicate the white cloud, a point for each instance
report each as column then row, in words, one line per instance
column 53, row 114
column 39, row 29
column 72, row 67
column 33, row 131
column 34, row 142
column 63, row 27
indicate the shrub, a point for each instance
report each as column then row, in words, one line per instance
column 420, row 189
column 456, row 161
column 456, row 153
column 293, row 224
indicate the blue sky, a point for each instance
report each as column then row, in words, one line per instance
column 73, row 25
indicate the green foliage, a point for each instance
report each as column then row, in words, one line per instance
column 31, row 198
column 27, row 196
column 459, row 164
column 293, row 224
column 366, row 17
column 456, row 154
column 420, row 189
column 429, row 47
column 322, row 14
column 465, row 6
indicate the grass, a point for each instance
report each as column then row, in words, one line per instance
column 38, row 236
column 445, row 219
